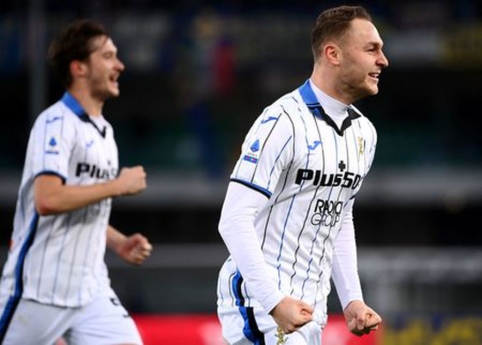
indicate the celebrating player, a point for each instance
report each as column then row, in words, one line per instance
column 287, row 216
column 55, row 282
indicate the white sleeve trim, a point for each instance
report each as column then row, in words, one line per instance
column 236, row 226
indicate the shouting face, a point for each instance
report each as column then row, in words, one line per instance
column 103, row 69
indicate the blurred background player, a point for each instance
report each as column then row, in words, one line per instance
column 55, row 282
column 287, row 216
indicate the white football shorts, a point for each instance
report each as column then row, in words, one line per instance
column 104, row 321
column 246, row 326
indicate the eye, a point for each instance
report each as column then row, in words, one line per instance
column 375, row 48
column 109, row 55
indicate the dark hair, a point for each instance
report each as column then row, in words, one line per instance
column 74, row 43
column 333, row 23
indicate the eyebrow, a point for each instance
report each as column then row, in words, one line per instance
column 374, row 44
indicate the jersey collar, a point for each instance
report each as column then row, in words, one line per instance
column 77, row 109
column 311, row 101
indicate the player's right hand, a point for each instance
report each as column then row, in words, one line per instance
column 291, row 314
column 132, row 180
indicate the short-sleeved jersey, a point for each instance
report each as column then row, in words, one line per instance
column 59, row 259
column 309, row 169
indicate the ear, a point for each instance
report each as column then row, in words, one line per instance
column 77, row 68
column 332, row 53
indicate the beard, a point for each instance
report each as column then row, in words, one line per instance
column 357, row 85
column 102, row 92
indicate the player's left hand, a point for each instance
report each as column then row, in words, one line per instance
column 360, row 318
column 135, row 249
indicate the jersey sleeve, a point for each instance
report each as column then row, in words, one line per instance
column 236, row 227
column 266, row 151
column 345, row 262
column 51, row 141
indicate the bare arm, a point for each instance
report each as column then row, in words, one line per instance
column 134, row 249
column 53, row 197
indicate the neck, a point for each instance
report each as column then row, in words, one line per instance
column 92, row 106
column 326, row 81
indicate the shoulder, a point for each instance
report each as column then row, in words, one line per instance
column 56, row 112
column 290, row 106
column 56, row 117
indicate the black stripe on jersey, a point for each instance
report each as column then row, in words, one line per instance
column 352, row 115
column 78, row 110
column 263, row 191
column 254, row 330
column 322, row 148
column 264, row 144
column 231, row 289
column 14, row 299
column 337, row 199
column 317, row 110
column 52, row 173
column 238, row 289
column 344, row 205
column 284, row 183
column 250, row 329
column 86, row 118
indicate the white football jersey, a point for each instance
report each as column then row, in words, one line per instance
column 310, row 168
column 59, row 259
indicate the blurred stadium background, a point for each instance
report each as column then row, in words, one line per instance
column 198, row 73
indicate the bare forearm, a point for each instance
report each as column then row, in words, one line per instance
column 114, row 238
column 134, row 249
column 53, row 197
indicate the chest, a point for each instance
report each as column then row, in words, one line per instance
column 324, row 158
column 94, row 156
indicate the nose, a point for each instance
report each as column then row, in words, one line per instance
column 120, row 65
column 382, row 60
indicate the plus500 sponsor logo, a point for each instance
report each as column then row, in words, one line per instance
column 94, row 171
column 345, row 180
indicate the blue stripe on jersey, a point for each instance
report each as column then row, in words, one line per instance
column 262, row 190
column 12, row 302
column 315, row 107
column 238, row 293
column 250, row 329
column 277, row 158
column 316, row 143
column 310, row 99
column 77, row 109
column 73, row 104
column 329, row 230
column 278, row 259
